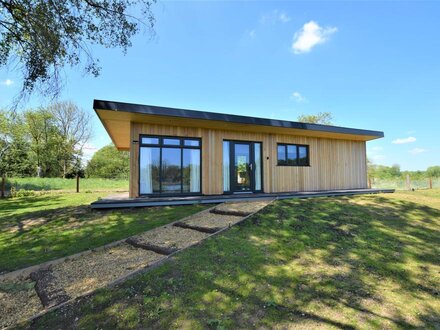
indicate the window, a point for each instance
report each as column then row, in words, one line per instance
column 169, row 165
column 293, row 155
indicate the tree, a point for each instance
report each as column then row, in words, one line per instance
column 433, row 172
column 324, row 118
column 45, row 141
column 109, row 163
column 14, row 147
column 74, row 127
column 44, row 36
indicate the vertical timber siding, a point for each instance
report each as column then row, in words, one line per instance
column 334, row 164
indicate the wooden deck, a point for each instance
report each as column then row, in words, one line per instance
column 123, row 201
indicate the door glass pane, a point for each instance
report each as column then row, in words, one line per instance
column 171, row 170
column 242, row 170
column 191, row 170
column 257, row 158
column 174, row 142
column 291, row 155
column 281, row 154
column 303, row 157
column 226, row 167
column 149, row 170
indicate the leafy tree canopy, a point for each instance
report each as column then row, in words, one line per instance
column 40, row 37
column 324, row 118
column 433, row 172
column 109, row 163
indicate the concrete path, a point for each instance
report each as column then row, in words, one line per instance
column 29, row 294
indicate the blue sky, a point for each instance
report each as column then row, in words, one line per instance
column 373, row 65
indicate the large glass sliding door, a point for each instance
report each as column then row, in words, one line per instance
column 242, row 168
column 169, row 165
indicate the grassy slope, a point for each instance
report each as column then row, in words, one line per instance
column 360, row 262
column 38, row 229
column 66, row 184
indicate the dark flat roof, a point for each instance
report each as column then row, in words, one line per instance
column 184, row 113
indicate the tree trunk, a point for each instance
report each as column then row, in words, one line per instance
column 3, row 186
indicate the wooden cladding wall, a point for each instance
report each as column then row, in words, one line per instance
column 334, row 164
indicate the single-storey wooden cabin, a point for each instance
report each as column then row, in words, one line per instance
column 177, row 152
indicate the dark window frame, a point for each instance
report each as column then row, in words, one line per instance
column 285, row 162
column 161, row 145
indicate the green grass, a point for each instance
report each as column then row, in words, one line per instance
column 350, row 262
column 37, row 229
column 66, row 184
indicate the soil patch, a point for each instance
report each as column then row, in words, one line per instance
column 51, row 292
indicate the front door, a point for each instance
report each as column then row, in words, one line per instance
column 243, row 178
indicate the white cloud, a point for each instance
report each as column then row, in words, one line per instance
column 310, row 35
column 275, row 16
column 417, row 151
column 377, row 157
column 252, row 34
column 298, row 97
column 7, row 82
column 377, row 148
column 409, row 139
column 88, row 151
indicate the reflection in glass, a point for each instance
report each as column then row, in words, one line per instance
column 150, row 140
column 281, row 154
column 191, row 143
column 242, row 161
column 226, row 167
column 174, row 142
column 303, row 157
column 149, row 170
column 257, row 159
column 171, row 166
column 291, row 155
column 191, row 170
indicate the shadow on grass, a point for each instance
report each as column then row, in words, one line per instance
column 34, row 237
column 317, row 262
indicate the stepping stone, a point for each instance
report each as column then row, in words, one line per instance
column 48, row 288
column 209, row 222
column 240, row 208
column 167, row 239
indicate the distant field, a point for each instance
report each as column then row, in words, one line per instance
column 400, row 184
column 66, row 184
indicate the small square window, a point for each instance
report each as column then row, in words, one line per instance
column 192, row 143
column 150, row 140
column 172, row 142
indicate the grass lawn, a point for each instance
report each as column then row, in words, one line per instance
column 66, row 184
column 37, row 229
column 350, row 262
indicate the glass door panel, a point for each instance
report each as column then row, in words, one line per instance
column 242, row 167
column 171, row 170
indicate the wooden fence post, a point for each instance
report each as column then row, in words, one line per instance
column 3, row 186
column 369, row 182
column 430, row 183
column 408, row 182
column 77, row 183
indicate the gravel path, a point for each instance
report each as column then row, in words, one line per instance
column 24, row 297
column 18, row 299
column 240, row 208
